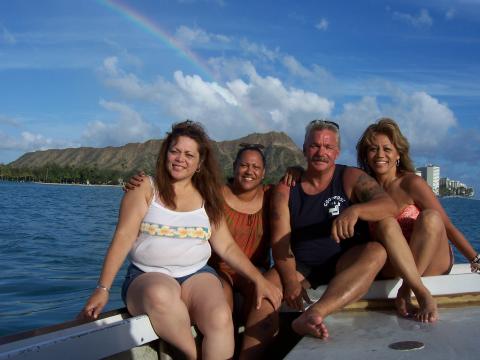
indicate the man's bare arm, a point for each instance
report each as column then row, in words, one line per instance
column 371, row 201
column 281, row 250
column 280, row 225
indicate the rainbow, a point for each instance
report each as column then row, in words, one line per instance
column 155, row 30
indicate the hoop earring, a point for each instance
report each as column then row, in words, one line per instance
column 198, row 170
column 397, row 162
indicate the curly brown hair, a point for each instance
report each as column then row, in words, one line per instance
column 208, row 181
column 389, row 128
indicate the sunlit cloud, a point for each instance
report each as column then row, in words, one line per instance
column 129, row 126
column 259, row 50
column 247, row 103
column 198, row 36
column 28, row 141
column 423, row 119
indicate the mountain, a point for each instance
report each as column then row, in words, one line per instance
column 280, row 152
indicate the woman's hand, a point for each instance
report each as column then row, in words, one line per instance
column 134, row 181
column 266, row 290
column 94, row 305
column 292, row 175
column 294, row 295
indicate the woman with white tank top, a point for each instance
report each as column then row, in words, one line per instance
column 168, row 228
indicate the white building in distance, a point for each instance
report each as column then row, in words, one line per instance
column 431, row 174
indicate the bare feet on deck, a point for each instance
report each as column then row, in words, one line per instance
column 427, row 310
column 309, row 323
column 403, row 302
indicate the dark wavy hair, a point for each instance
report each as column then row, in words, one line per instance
column 208, row 181
column 252, row 147
column 389, row 128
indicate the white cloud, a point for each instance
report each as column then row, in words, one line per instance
column 246, row 103
column 124, row 54
column 322, row 24
column 28, row 141
column 130, row 127
column 110, row 65
column 261, row 51
column 6, row 36
column 422, row 19
column 197, row 36
column 295, row 67
column 423, row 120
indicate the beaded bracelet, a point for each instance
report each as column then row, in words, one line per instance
column 475, row 263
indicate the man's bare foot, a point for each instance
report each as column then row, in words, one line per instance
column 428, row 311
column 403, row 302
column 310, row 323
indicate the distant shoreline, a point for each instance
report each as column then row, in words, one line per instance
column 457, row 197
column 45, row 183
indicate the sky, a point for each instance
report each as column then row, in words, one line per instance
column 106, row 73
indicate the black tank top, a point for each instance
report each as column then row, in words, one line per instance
column 311, row 218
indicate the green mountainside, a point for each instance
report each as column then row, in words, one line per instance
column 85, row 163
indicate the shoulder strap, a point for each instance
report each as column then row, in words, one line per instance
column 154, row 189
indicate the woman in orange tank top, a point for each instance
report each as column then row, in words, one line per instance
column 246, row 213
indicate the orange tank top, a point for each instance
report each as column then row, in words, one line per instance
column 250, row 232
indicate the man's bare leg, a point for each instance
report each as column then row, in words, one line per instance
column 356, row 270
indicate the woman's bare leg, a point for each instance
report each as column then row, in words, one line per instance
column 227, row 288
column 159, row 296
column 205, row 300
column 261, row 325
column 402, row 261
column 429, row 244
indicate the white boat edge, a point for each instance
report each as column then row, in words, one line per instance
column 119, row 332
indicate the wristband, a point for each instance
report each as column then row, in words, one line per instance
column 103, row 288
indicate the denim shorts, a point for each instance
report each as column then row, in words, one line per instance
column 133, row 272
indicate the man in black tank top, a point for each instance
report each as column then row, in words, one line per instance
column 317, row 235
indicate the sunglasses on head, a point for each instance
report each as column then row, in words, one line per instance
column 325, row 122
column 247, row 146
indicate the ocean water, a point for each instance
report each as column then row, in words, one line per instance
column 53, row 239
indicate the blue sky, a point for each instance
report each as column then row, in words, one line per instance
column 105, row 73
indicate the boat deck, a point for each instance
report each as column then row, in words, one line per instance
column 374, row 335
column 365, row 329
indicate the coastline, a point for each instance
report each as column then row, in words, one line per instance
column 75, row 184
column 457, row 197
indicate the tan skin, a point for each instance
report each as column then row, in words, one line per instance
column 172, row 307
column 358, row 266
column 246, row 195
column 432, row 229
